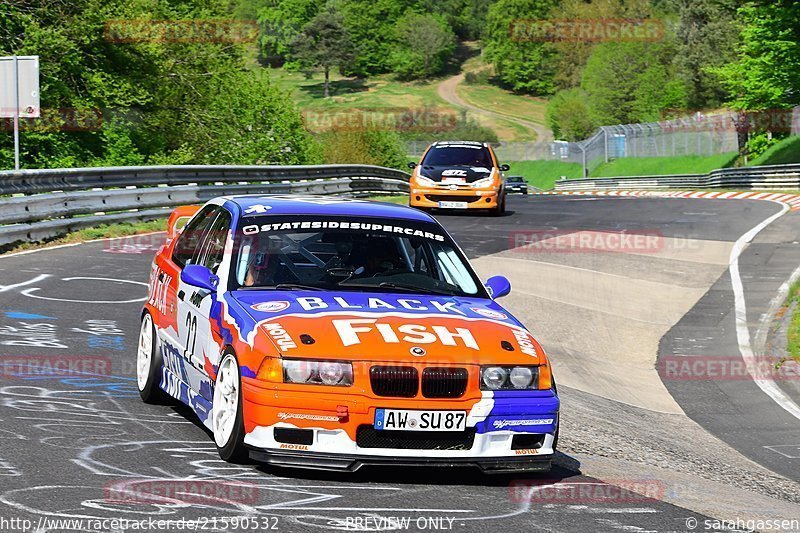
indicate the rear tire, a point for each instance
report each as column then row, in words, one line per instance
column 149, row 363
column 227, row 421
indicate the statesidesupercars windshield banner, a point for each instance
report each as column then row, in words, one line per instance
column 253, row 225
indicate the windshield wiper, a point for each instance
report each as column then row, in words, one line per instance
column 410, row 287
column 283, row 286
column 297, row 286
column 401, row 286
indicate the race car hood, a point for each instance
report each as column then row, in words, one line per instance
column 454, row 174
column 387, row 327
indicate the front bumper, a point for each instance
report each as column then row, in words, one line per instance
column 429, row 197
column 352, row 463
column 506, row 431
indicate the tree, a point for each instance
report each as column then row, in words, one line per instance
column 423, row 45
column 156, row 99
column 707, row 36
column 467, row 18
column 324, row 42
column 521, row 63
column 568, row 115
column 370, row 25
column 629, row 82
column 766, row 74
column 570, row 55
column 281, row 21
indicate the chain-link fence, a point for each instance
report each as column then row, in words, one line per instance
column 696, row 135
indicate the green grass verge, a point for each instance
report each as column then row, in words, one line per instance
column 653, row 166
column 385, row 92
column 353, row 93
column 785, row 152
column 400, row 199
column 103, row 231
column 793, row 335
column 543, row 174
column 505, row 102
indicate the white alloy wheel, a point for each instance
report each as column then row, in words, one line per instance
column 144, row 353
column 225, row 408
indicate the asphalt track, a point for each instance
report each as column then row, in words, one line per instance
column 67, row 442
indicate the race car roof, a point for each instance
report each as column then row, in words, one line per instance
column 324, row 205
column 469, row 144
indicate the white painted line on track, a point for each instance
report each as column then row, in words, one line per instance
column 792, row 450
column 765, row 383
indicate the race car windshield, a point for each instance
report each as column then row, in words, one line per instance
column 354, row 255
column 458, row 156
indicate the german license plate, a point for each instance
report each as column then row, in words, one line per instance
column 453, row 205
column 400, row 419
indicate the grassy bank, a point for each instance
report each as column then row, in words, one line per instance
column 653, row 166
column 543, row 174
column 785, row 152
column 793, row 335
column 103, row 231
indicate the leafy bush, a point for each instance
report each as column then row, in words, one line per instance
column 363, row 146
column 521, row 64
column 759, row 143
column 423, row 43
column 465, row 129
column 568, row 115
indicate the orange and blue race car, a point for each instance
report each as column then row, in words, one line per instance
column 458, row 175
column 329, row 333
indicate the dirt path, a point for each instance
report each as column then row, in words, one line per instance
column 447, row 90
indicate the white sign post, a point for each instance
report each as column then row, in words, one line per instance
column 19, row 92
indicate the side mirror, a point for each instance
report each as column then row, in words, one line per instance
column 412, row 165
column 199, row 276
column 504, row 168
column 498, row 286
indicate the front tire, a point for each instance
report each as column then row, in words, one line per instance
column 149, row 363
column 227, row 421
column 500, row 209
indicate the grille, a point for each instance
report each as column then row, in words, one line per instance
column 369, row 437
column 452, row 198
column 402, row 381
column 444, row 382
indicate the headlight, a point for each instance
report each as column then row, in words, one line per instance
column 317, row 372
column 521, row 377
column 494, row 377
column 509, row 378
column 485, row 182
column 425, row 182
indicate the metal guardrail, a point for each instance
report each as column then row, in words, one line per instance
column 763, row 177
column 62, row 200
